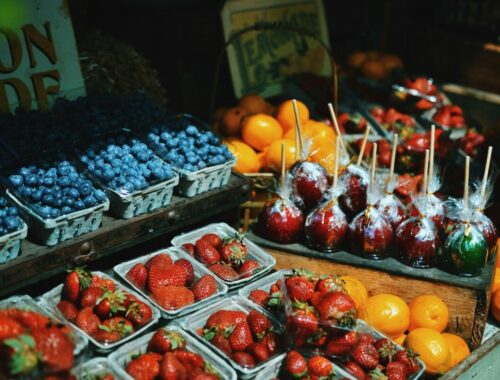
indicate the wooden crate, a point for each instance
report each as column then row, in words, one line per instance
column 467, row 298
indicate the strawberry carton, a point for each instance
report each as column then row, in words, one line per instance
column 96, row 369
column 244, row 334
column 448, row 117
column 171, row 280
column 232, row 257
column 169, row 353
column 106, row 312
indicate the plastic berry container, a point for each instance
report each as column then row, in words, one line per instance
column 95, row 368
column 10, row 242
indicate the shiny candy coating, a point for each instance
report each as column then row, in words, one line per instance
column 392, row 209
column 309, row 184
column 281, row 221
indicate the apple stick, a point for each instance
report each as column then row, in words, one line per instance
column 336, row 164
column 283, row 166
column 337, row 129
column 298, row 135
column 426, row 173
column 374, row 164
column 431, row 153
column 393, row 160
column 486, row 171
column 363, row 145
column 466, row 182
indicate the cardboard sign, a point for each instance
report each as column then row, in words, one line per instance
column 260, row 61
column 38, row 55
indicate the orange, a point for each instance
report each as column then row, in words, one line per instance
column 231, row 121
column 496, row 280
column 387, row 313
column 319, row 130
column 255, row 104
column 432, row 347
column 247, row 160
column 400, row 339
column 373, row 69
column 391, row 61
column 322, row 151
column 495, row 305
column 458, row 348
column 356, row 290
column 260, row 130
column 286, row 116
column 273, row 156
column 428, row 311
column 356, row 59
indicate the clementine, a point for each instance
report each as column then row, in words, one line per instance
column 428, row 311
column 273, row 156
column 432, row 347
column 496, row 280
column 247, row 160
column 458, row 348
column 495, row 305
column 356, row 290
column 400, row 339
column 387, row 313
column 231, row 121
column 322, row 151
column 260, row 130
column 254, row 103
column 286, row 116
column 319, row 130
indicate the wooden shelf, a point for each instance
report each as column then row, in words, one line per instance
column 37, row 262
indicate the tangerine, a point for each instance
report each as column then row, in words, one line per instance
column 495, row 305
column 322, row 151
column 432, row 347
column 230, row 124
column 400, row 339
column 428, row 311
column 286, row 116
column 273, row 156
column 496, row 280
column 247, row 160
column 356, row 290
column 319, row 130
column 260, row 130
column 458, row 348
column 254, row 103
column 387, row 313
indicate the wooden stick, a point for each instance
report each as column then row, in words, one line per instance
column 297, row 124
column 393, row 160
column 297, row 145
column 486, row 171
column 374, row 165
column 466, row 182
column 363, row 145
column 337, row 129
column 431, row 153
column 283, row 166
column 426, row 172
column 336, row 164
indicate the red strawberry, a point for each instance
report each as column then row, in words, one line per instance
column 243, row 359
column 234, row 251
column 386, row 349
column 204, row 376
column 188, row 268
column 396, row 371
column 366, row 338
column 318, row 338
column 189, row 248
column 409, row 359
column 259, row 324
column 172, row 368
column 56, row 348
column 248, row 268
column 222, row 343
column 161, row 259
column 296, row 364
column 330, row 284
column 21, row 357
column 272, row 341
column 139, row 313
column 354, row 369
column 138, row 275
column 259, row 351
column 9, row 328
column 164, row 275
column 319, row 366
column 76, row 281
column 225, row 272
column 224, row 319
column 205, row 287
column 214, row 240
column 339, row 308
column 316, row 299
column 299, row 289
column 116, row 325
column 145, row 367
column 343, row 345
column 27, row 318
column 110, row 304
column 68, row 309
column 90, row 296
column 189, row 359
column 206, row 253
column 173, row 297
column 105, row 284
column 366, row 355
column 241, row 337
column 260, row 297
column 303, row 316
column 87, row 320
column 164, row 340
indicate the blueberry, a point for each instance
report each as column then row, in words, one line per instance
column 25, row 192
column 190, row 167
column 3, row 202
column 66, row 210
column 68, row 201
column 202, row 164
column 192, row 159
column 37, row 195
column 64, row 181
column 48, row 181
column 86, row 189
column 54, row 213
column 100, row 195
column 3, row 214
column 31, row 180
column 90, row 201
column 73, row 193
column 11, row 224
column 44, row 212
column 57, row 189
column 108, row 175
column 24, row 171
column 165, row 136
column 128, row 187
column 79, row 205
column 12, row 211
column 58, row 202
column 63, row 170
column 191, row 130
column 16, row 180
column 48, row 200
column 172, row 143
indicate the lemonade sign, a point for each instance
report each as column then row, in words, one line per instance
column 261, row 60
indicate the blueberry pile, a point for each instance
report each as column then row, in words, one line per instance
column 126, row 165
column 55, row 190
column 9, row 218
column 189, row 149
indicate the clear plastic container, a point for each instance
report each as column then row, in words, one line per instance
column 121, row 357
column 52, row 298
column 192, row 323
column 265, row 260
column 176, row 254
column 95, row 367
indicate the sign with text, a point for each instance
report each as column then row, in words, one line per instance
column 260, row 60
column 38, row 54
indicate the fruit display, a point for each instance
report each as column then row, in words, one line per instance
column 373, row 64
column 418, row 93
column 174, row 283
column 352, row 123
column 393, row 121
column 450, row 116
column 100, row 308
column 9, row 217
column 95, row 369
column 355, row 178
column 383, row 149
column 266, row 292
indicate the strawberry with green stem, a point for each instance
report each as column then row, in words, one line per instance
column 22, row 356
column 233, row 250
column 164, row 340
column 76, row 281
column 111, row 303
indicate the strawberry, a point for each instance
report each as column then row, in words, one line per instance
column 222, row 343
column 205, row 287
column 319, row 366
column 318, row 338
column 241, row 337
column 9, row 328
column 259, row 324
column 87, row 320
column 316, row 299
column 22, row 357
column 339, row 308
column 161, row 259
column 234, row 251
column 68, row 310
column 204, row 376
column 106, row 284
column 330, row 284
column 188, row 269
column 223, row 320
column 296, row 365
column 272, row 341
column 56, row 348
column 139, row 314
column 206, row 253
column 299, row 289
column 189, row 248
column 164, row 275
column 114, row 329
column 259, row 351
column 354, row 369
column 145, row 367
column 111, row 303
column 226, row 272
column 76, row 281
column 172, row 368
column 173, row 297
column 396, row 371
column 386, row 349
column 276, row 287
column 377, row 374
column 248, row 268
column 243, row 359
column 304, row 316
column 214, row 240
column 366, row 355
column 138, row 275
column 27, row 318
column 409, row 359
column 260, row 297
column 189, row 359
column 366, row 338
column 90, row 296
column 342, row 345
column 164, row 340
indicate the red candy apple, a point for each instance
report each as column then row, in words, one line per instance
column 309, row 184
column 281, row 221
column 392, row 209
column 356, row 180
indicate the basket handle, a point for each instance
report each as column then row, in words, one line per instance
column 266, row 26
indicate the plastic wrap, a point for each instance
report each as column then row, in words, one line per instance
column 430, row 205
column 309, row 181
column 479, row 202
column 391, row 207
column 355, row 179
